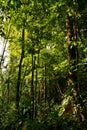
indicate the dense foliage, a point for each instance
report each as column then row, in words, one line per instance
column 43, row 65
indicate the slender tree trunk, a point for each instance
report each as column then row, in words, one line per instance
column 32, row 84
column 49, row 98
column 19, row 73
column 8, row 91
column 45, row 84
column 36, row 83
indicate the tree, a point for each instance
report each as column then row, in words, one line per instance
column 47, row 58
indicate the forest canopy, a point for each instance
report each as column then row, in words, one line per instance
column 43, row 65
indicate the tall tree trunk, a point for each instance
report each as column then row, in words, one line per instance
column 8, row 91
column 36, row 83
column 45, row 83
column 36, row 80
column 19, row 73
column 72, row 53
column 32, row 84
column 73, row 60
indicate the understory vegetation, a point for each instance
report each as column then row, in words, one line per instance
column 43, row 65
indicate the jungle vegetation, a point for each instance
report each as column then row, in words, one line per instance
column 43, row 65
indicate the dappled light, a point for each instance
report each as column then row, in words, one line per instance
column 43, row 65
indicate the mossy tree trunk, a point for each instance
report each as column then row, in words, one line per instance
column 72, row 34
